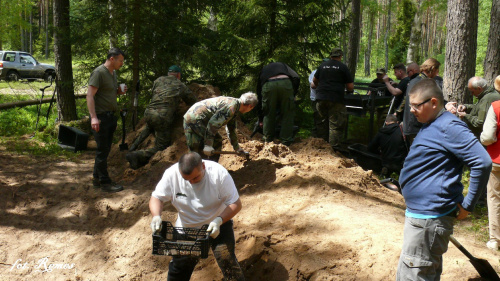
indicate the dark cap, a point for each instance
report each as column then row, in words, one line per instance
column 174, row 68
column 336, row 52
column 381, row 71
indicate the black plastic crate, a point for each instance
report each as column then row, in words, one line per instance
column 181, row 241
column 364, row 158
column 72, row 139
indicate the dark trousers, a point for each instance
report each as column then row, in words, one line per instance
column 104, row 140
column 181, row 267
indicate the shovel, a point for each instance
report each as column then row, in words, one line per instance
column 483, row 267
column 123, row 145
column 245, row 153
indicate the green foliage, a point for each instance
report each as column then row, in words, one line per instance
column 482, row 34
column 400, row 38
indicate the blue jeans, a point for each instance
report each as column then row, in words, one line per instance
column 104, row 140
column 425, row 242
column 181, row 267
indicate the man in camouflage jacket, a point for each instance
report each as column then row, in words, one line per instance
column 167, row 94
column 206, row 117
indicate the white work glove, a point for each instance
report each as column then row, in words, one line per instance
column 214, row 227
column 156, row 224
column 208, row 150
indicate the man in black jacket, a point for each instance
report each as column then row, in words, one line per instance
column 276, row 89
column 390, row 144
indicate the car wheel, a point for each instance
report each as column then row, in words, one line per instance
column 49, row 76
column 13, row 76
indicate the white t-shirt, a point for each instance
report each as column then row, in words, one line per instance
column 198, row 203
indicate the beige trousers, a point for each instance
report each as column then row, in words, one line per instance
column 493, row 193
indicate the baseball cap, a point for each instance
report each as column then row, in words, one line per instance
column 336, row 52
column 381, row 71
column 174, row 68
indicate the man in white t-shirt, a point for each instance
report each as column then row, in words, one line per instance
column 203, row 192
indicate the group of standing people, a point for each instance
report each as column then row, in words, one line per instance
column 203, row 192
column 444, row 137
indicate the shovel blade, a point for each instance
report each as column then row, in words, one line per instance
column 485, row 269
column 123, row 146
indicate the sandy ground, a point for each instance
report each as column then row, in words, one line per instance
column 308, row 214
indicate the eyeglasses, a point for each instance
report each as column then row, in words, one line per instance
column 417, row 106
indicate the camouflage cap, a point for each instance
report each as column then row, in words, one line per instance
column 381, row 70
column 174, row 68
column 336, row 52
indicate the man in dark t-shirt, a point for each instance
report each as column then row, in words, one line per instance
column 398, row 90
column 330, row 81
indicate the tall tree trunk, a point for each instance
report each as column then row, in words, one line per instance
column 388, row 26
column 352, row 50
column 461, row 47
column 136, row 45
column 368, row 49
column 62, row 52
column 47, row 5
column 31, row 31
column 343, row 5
column 416, row 32
column 272, row 28
column 21, row 32
column 112, row 24
column 492, row 60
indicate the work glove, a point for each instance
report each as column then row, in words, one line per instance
column 208, row 150
column 214, row 227
column 156, row 224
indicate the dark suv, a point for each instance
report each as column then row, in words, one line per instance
column 15, row 65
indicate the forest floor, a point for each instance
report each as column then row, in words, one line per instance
column 308, row 214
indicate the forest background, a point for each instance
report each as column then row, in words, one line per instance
column 226, row 43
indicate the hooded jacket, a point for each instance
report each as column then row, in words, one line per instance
column 389, row 140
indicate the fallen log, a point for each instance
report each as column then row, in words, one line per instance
column 32, row 102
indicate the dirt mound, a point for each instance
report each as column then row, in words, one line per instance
column 308, row 214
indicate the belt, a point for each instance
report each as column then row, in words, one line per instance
column 107, row 113
column 276, row 79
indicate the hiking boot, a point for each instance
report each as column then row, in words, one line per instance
column 132, row 160
column 111, row 187
column 492, row 244
column 96, row 183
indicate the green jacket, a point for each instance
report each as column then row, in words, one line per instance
column 476, row 113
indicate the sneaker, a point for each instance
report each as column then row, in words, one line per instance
column 111, row 187
column 96, row 183
column 492, row 244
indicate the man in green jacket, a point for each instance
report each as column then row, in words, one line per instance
column 168, row 91
column 475, row 114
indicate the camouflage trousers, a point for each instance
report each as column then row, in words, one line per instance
column 159, row 123
column 320, row 128
column 278, row 100
column 336, row 114
column 195, row 140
